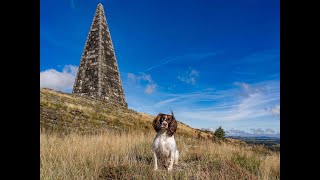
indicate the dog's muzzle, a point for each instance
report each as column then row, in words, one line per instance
column 164, row 125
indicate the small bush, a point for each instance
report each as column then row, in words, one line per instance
column 218, row 134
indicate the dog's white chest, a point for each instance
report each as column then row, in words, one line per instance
column 161, row 147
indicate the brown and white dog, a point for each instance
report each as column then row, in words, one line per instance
column 164, row 145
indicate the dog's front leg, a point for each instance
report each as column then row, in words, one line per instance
column 155, row 161
column 176, row 157
column 171, row 161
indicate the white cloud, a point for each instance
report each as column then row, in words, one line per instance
column 247, row 90
column 257, row 131
column 190, row 98
column 131, row 77
column 135, row 79
column 167, row 101
column 269, row 130
column 226, row 105
column 190, row 77
column 62, row 81
column 193, row 56
column 150, row 88
column 146, row 77
column 243, row 109
column 276, row 110
column 245, row 86
column 236, row 132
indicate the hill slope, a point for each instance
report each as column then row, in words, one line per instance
column 113, row 155
column 63, row 112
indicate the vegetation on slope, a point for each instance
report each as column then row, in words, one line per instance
column 113, row 155
column 65, row 113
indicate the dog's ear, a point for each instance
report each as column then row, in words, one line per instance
column 172, row 125
column 156, row 122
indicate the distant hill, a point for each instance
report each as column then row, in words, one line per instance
column 257, row 138
column 64, row 112
column 270, row 142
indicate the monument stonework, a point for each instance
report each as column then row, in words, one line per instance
column 98, row 75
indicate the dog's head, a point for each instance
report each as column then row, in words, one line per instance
column 165, row 121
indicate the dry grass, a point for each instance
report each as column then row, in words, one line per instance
column 70, row 112
column 112, row 155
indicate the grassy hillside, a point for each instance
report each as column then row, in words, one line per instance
column 82, row 138
column 62, row 112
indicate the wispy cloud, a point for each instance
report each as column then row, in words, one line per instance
column 236, row 132
column 252, row 63
column 62, row 81
column 244, row 73
column 190, row 98
column 190, row 77
column 150, row 86
column 244, row 86
column 271, row 131
column 167, row 101
column 265, row 56
column 169, row 59
column 257, row 131
column 276, row 110
column 227, row 105
column 132, row 77
column 240, row 104
column 249, row 90
column 213, row 107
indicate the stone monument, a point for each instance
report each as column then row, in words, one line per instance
column 98, row 75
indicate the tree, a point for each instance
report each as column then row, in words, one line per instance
column 219, row 133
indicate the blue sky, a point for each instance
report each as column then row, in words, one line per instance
column 214, row 63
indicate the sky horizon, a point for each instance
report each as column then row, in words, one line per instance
column 213, row 63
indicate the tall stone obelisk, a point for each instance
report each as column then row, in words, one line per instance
column 98, row 74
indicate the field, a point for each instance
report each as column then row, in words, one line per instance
column 111, row 155
column 83, row 138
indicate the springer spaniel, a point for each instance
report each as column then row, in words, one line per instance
column 164, row 144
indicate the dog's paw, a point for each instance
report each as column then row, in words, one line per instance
column 170, row 169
